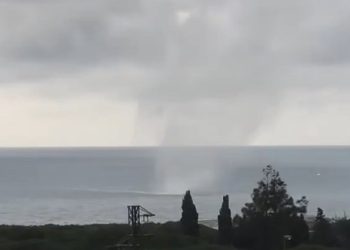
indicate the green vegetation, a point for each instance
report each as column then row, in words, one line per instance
column 323, row 233
column 96, row 237
column 189, row 219
column 225, row 222
column 315, row 247
column 272, row 220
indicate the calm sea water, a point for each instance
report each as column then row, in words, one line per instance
column 94, row 185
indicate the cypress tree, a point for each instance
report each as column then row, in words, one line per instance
column 225, row 222
column 189, row 219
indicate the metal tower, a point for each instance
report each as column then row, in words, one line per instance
column 136, row 215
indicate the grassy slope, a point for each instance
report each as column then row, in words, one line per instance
column 97, row 237
column 315, row 247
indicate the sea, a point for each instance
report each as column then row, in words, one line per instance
column 95, row 185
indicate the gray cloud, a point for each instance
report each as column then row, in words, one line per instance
column 213, row 77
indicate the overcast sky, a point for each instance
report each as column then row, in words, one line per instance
column 161, row 72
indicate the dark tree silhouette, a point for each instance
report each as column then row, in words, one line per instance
column 342, row 232
column 323, row 232
column 301, row 205
column 225, row 222
column 270, row 196
column 189, row 219
column 271, row 215
column 299, row 230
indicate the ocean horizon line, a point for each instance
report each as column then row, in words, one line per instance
column 175, row 146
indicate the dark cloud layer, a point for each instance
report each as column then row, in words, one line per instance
column 221, row 66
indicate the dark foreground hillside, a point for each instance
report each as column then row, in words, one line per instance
column 97, row 237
